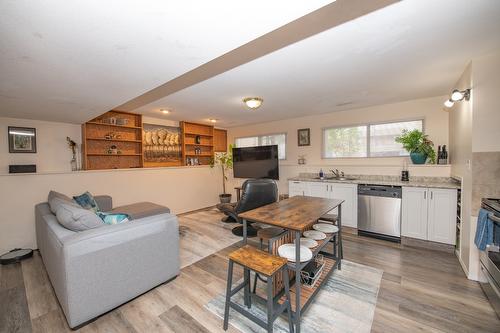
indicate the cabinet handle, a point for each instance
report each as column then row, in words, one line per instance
column 303, row 193
column 431, row 195
column 425, row 194
column 327, row 187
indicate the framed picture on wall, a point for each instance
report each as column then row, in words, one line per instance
column 22, row 139
column 304, row 137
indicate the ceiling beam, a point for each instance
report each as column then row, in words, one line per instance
column 327, row 17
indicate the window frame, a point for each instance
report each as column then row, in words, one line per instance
column 259, row 136
column 368, row 137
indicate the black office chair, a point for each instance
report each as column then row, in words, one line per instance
column 256, row 193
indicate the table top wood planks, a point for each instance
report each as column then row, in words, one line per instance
column 296, row 213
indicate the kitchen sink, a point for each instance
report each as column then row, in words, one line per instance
column 336, row 178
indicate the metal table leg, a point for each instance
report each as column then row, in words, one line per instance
column 339, row 244
column 244, row 232
column 297, row 281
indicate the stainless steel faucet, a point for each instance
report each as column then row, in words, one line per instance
column 337, row 173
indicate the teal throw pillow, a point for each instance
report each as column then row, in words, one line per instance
column 113, row 218
column 87, row 201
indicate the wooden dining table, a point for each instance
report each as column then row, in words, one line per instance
column 296, row 215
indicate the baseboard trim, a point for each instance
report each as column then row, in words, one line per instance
column 466, row 271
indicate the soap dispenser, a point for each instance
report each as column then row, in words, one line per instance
column 321, row 174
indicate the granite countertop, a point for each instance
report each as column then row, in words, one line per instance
column 432, row 182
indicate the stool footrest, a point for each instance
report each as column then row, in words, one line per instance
column 247, row 314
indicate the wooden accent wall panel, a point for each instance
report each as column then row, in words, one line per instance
column 220, row 140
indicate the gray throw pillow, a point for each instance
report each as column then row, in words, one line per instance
column 54, row 204
column 76, row 218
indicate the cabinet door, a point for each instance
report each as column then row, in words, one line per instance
column 318, row 189
column 442, row 215
column 348, row 193
column 414, row 212
column 296, row 188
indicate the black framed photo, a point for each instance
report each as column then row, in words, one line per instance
column 304, row 137
column 22, row 139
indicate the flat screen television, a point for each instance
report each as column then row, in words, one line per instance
column 256, row 162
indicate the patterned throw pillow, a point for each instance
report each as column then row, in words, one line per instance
column 87, row 201
column 113, row 218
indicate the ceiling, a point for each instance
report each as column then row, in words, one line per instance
column 412, row 49
column 73, row 60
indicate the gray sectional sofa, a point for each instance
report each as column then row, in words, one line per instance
column 96, row 270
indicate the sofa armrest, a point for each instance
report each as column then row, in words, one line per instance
column 105, row 202
column 108, row 266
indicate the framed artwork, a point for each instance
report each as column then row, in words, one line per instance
column 304, row 137
column 161, row 145
column 22, row 139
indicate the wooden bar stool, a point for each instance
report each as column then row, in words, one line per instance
column 268, row 265
column 265, row 235
column 333, row 219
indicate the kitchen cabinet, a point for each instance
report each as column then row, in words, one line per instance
column 346, row 192
column 297, row 188
column 442, row 215
column 414, row 212
column 429, row 214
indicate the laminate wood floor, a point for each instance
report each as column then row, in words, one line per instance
column 421, row 290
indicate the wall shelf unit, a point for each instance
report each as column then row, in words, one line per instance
column 114, row 128
column 197, row 143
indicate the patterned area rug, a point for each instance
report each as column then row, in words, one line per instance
column 346, row 303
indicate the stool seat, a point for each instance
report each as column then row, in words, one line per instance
column 268, row 233
column 257, row 260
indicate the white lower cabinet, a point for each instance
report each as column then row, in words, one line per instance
column 346, row 192
column 297, row 188
column 429, row 214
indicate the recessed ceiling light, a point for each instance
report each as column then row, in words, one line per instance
column 253, row 102
column 212, row 120
column 165, row 111
column 449, row 103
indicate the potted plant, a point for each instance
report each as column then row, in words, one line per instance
column 418, row 145
column 225, row 161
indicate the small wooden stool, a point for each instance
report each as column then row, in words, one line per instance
column 333, row 219
column 267, row 265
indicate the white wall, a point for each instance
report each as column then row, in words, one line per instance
column 461, row 158
column 430, row 109
column 486, row 91
column 52, row 154
column 180, row 188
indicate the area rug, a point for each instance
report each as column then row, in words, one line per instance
column 346, row 303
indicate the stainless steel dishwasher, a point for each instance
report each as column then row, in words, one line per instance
column 379, row 211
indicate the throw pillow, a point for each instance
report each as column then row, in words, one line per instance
column 76, row 218
column 87, row 201
column 56, row 195
column 113, row 218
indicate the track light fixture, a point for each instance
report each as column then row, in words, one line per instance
column 457, row 96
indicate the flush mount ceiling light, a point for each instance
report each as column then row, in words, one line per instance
column 165, row 111
column 457, row 96
column 212, row 120
column 253, row 102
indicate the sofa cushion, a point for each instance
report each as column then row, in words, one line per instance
column 76, row 218
column 111, row 218
column 54, row 204
column 87, row 201
column 141, row 209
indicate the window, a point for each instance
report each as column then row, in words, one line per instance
column 265, row 140
column 371, row 140
column 382, row 138
column 345, row 142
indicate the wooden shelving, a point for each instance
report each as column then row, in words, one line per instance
column 197, row 143
column 114, row 128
